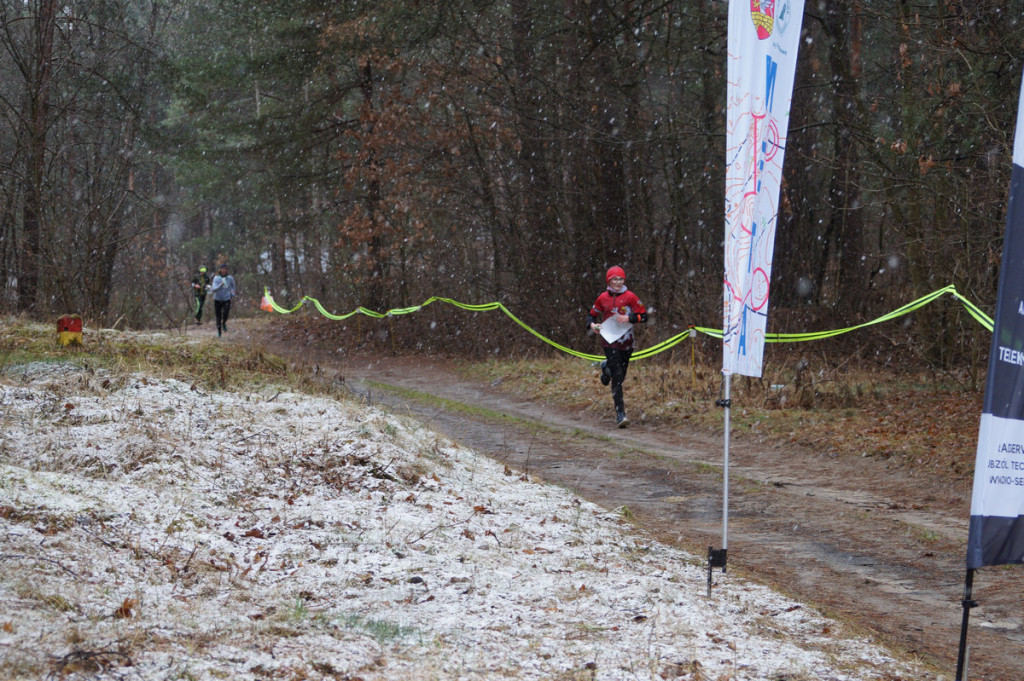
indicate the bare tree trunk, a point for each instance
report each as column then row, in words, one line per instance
column 279, row 260
column 376, row 285
column 39, row 111
column 842, row 22
column 536, row 229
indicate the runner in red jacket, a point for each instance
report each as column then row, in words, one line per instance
column 618, row 309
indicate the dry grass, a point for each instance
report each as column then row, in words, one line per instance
column 811, row 395
column 206, row 365
column 911, row 416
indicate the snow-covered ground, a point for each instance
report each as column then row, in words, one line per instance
column 152, row 530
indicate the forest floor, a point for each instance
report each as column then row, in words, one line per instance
column 849, row 492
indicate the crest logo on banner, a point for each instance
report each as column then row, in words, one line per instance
column 762, row 67
column 763, row 14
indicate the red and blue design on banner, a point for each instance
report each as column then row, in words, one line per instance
column 996, row 535
column 764, row 36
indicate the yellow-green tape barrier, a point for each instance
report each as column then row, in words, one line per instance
column 913, row 306
column 972, row 309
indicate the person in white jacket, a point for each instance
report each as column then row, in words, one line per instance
column 223, row 290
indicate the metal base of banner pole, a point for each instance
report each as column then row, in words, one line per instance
column 717, row 558
column 968, row 602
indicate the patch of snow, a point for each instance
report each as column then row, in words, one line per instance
column 155, row 531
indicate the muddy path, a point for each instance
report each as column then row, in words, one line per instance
column 868, row 544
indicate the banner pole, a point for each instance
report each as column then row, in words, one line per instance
column 725, row 473
column 719, row 557
column 968, row 603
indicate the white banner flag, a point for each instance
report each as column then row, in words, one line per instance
column 763, row 39
column 996, row 535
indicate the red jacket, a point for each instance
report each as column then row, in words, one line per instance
column 625, row 302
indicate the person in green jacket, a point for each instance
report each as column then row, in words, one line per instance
column 200, row 285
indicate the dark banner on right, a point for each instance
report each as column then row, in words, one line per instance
column 996, row 534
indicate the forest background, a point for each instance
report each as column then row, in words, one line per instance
column 379, row 153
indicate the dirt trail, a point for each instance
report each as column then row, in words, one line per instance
column 868, row 544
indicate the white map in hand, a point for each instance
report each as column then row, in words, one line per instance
column 612, row 330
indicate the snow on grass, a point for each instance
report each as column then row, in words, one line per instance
column 156, row 531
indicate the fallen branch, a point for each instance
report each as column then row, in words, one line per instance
column 9, row 556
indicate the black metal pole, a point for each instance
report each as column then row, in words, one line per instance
column 967, row 604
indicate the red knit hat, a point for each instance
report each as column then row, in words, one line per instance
column 614, row 272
